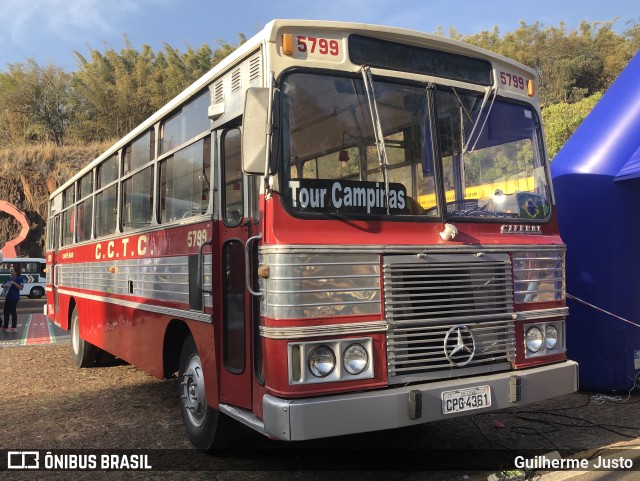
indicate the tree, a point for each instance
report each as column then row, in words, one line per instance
column 116, row 91
column 571, row 64
column 38, row 99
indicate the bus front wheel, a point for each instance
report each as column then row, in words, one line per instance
column 36, row 293
column 207, row 428
column 84, row 353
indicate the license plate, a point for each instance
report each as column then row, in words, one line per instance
column 466, row 399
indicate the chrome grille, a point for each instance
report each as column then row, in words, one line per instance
column 427, row 295
column 539, row 276
column 418, row 353
column 304, row 286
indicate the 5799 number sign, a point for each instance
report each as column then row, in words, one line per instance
column 314, row 45
column 511, row 80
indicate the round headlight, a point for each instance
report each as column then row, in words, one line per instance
column 550, row 337
column 355, row 359
column 534, row 339
column 322, row 361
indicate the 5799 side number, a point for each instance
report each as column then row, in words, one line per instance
column 196, row 237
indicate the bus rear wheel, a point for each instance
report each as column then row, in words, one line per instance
column 84, row 353
column 207, row 428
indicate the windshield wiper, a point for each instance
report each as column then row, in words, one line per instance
column 377, row 130
column 465, row 146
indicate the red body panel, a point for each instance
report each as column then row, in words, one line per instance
column 135, row 335
column 283, row 229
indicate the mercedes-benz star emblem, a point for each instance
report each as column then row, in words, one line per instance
column 459, row 346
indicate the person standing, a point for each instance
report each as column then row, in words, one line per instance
column 15, row 285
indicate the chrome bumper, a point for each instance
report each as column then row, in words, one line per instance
column 300, row 419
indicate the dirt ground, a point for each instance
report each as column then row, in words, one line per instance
column 49, row 404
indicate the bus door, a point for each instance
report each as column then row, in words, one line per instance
column 53, row 307
column 235, row 313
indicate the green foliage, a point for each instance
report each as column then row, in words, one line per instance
column 113, row 91
column 562, row 119
column 571, row 64
column 36, row 103
column 116, row 91
column 110, row 93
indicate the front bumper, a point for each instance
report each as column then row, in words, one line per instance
column 300, row 419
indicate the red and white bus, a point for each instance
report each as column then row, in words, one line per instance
column 340, row 228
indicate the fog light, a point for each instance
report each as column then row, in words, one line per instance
column 355, row 359
column 534, row 339
column 550, row 337
column 322, row 361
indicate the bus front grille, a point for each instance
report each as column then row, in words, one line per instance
column 434, row 302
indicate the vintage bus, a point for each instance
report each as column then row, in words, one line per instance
column 340, row 228
column 34, row 274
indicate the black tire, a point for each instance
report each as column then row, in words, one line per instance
column 207, row 428
column 106, row 359
column 36, row 292
column 84, row 353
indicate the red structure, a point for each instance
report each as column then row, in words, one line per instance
column 9, row 248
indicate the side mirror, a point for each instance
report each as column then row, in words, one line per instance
column 255, row 130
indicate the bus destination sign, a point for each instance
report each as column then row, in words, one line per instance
column 345, row 196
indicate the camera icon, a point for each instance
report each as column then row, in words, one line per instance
column 23, row 460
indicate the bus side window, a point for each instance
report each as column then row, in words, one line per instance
column 137, row 199
column 232, row 178
column 184, row 182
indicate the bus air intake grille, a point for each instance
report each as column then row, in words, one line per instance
column 427, row 296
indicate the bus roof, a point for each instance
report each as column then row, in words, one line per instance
column 269, row 34
column 22, row 259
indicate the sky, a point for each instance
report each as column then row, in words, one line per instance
column 49, row 31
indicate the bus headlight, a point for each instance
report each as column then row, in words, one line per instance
column 330, row 360
column 544, row 338
column 534, row 339
column 550, row 337
column 355, row 359
column 322, row 361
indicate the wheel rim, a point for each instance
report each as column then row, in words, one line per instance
column 193, row 395
column 75, row 335
column 37, row 292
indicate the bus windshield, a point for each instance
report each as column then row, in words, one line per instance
column 487, row 156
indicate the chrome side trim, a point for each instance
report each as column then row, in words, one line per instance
column 159, row 278
column 542, row 313
column 316, row 331
column 195, row 316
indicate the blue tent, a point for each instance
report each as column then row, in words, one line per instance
column 596, row 178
